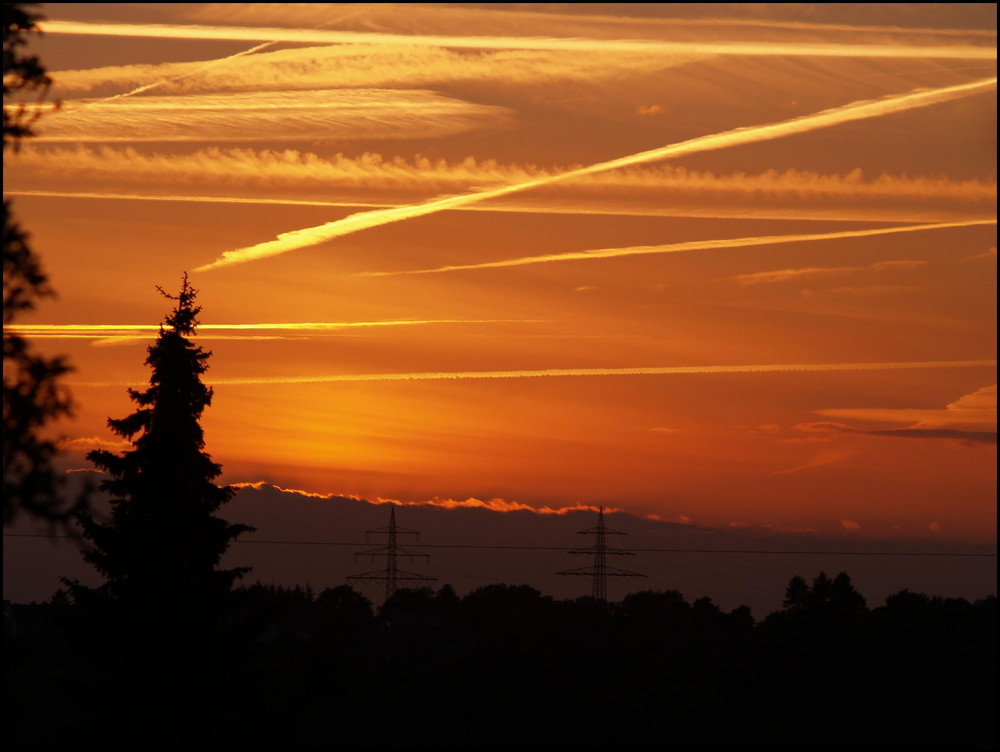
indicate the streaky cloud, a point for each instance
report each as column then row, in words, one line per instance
column 259, row 116
column 367, row 66
column 784, row 275
column 694, row 245
column 971, row 437
column 583, row 372
column 653, row 371
column 80, row 443
column 117, row 333
column 322, row 36
column 854, row 111
column 493, row 505
column 972, row 411
column 195, row 69
column 965, row 436
column 293, row 170
column 980, row 400
column 382, row 16
column 855, row 213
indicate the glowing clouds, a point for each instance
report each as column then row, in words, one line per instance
column 388, row 374
column 974, row 412
column 292, row 116
column 787, row 275
column 106, row 334
column 642, row 371
column 296, row 177
column 324, row 36
column 970, row 420
column 365, row 66
column 707, row 245
column 492, row 505
column 304, row 238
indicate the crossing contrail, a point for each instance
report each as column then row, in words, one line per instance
column 162, row 82
column 859, row 110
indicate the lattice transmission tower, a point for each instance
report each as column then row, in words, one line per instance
column 392, row 575
column 599, row 571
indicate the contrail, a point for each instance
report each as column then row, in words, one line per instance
column 838, row 214
column 652, row 371
column 146, row 87
column 694, row 245
column 316, row 36
column 250, row 116
column 164, row 81
column 558, row 372
column 171, row 79
column 860, row 110
column 106, row 330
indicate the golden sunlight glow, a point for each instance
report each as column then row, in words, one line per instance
column 58, row 331
column 321, row 36
column 563, row 372
column 297, row 239
column 791, row 327
column 700, row 245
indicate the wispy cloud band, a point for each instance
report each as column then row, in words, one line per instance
column 785, row 275
column 584, row 372
column 310, row 236
column 300, row 173
column 323, row 36
column 694, row 245
column 818, row 211
column 260, row 116
column 120, row 332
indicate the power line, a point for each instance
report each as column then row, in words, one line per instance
column 562, row 548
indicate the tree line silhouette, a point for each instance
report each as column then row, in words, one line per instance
column 505, row 666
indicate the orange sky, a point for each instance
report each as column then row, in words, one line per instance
column 731, row 270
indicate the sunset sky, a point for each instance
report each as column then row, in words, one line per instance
column 726, row 265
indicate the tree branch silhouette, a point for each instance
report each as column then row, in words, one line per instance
column 33, row 394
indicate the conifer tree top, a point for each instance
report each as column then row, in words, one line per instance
column 184, row 318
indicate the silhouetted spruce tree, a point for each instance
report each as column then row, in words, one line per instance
column 163, row 543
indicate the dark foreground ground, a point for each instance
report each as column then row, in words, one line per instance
column 503, row 667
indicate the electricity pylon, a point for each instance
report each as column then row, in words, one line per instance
column 392, row 576
column 599, row 570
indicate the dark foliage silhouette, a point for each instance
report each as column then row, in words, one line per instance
column 836, row 597
column 33, row 394
column 163, row 543
column 22, row 72
column 507, row 667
